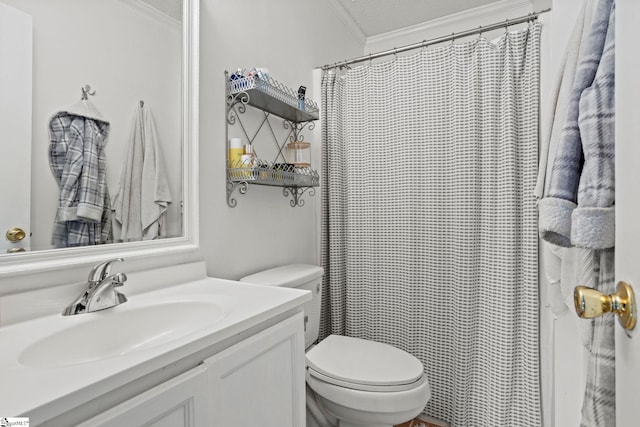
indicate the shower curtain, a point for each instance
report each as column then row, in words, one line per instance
column 429, row 227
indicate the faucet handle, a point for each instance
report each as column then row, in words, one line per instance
column 101, row 271
column 118, row 279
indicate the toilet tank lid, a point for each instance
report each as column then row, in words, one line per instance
column 291, row 275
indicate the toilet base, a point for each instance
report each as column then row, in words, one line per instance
column 348, row 417
column 319, row 416
column 345, row 407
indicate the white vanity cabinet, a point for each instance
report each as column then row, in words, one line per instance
column 257, row 381
column 260, row 381
column 180, row 402
column 205, row 353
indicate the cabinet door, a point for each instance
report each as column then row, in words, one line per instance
column 179, row 402
column 260, row 381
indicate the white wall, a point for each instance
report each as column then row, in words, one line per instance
column 126, row 52
column 290, row 38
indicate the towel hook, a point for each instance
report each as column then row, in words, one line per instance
column 86, row 90
column 141, row 103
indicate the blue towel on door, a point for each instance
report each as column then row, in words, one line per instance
column 578, row 209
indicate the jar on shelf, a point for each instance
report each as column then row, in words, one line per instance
column 298, row 153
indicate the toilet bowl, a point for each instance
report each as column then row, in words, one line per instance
column 353, row 382
column 366, row 383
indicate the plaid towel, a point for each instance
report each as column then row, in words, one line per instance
column 77, row 161
column 583, row 168
column 593, row 227
column 594, row 218
column 599, row 401
column 579, row 207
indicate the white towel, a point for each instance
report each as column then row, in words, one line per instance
column 556, row 112
column 143, row 193
column 551, row 130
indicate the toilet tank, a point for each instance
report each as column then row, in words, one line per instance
column 301, row 276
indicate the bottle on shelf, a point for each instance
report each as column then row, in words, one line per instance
column 236, row 150
column 247, row 160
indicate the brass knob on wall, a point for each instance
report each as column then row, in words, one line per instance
column 591, row 303
column 15, row 234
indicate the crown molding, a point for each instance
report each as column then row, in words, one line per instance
column 347, row 20
column 154, row 13
column 490, row 14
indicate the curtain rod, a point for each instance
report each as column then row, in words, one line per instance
column 527, row 18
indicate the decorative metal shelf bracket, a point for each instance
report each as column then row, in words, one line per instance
column 231, row 186
column 296, row 194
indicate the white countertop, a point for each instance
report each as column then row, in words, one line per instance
column 41, row 392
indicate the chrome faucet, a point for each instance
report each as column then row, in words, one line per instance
column 101, row 290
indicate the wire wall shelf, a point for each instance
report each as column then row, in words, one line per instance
column 276, row 99
column 268, row 175
column 296, row 182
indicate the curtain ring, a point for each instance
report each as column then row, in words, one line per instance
column 480, row 31
column 453, row 37
column 395, row 53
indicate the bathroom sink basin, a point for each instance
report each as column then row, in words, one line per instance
column 117, row 332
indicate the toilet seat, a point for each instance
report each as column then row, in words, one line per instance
column 364, row 387
column 364, row 365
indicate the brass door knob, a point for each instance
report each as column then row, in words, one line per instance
column 15, row 234
column 591, row 303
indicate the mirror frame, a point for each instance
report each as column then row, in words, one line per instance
column 68, row 258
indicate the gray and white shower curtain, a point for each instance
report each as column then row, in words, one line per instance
column 429, row 227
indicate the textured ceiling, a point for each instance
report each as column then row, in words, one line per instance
column 381, row 16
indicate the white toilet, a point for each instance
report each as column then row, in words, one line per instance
column 353, row 382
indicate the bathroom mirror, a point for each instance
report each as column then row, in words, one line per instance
column 136, row 55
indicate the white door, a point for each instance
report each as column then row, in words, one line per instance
column 628, row 202
column 15, row 127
